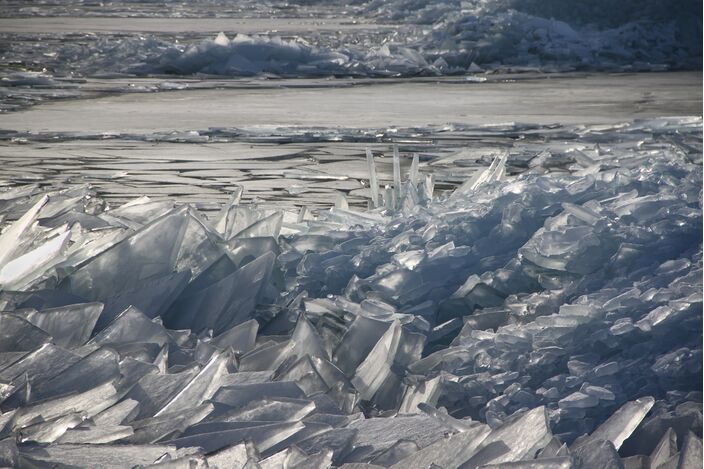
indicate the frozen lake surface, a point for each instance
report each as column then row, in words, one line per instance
column 103, row 25
column 600, row 98
column 300, row 142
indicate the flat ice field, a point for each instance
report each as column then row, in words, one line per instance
column 317, row 242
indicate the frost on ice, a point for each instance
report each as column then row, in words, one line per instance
column 546, row 319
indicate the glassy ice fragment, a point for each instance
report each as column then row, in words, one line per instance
column 70, row 326
column 153, row 429
column 235, row 456
column 44, row 363
column 201, row 387
column 666, row 448
column 132, row 325
column 122, row 412
column 621, row 424
column 548, row 463
column 17, row 273
column 691, row 452
column 9, row 454
column 19, row 335
column 96, row 434
column 239, row 395
column 108, row 457
column 96, row 368
column 263, row 437
column 382, row 433
column 241, row 337
column 153, row 297
column 87, row 403
column 12, row 236
column 597, row 453
column 520, row 437
column 154, row 391
column 152, row 250
column 449, row 452
column 372, row 372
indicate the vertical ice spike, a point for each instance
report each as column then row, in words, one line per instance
column 429, row 187
column 341, row 201
column 413, row 172
column 373, row 185
column 397, row 177
column 389, row 197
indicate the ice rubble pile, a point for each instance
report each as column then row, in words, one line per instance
column 552, row 319
column 428, row 38
column 550, row 35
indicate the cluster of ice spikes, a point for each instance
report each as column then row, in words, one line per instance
column 547, row 320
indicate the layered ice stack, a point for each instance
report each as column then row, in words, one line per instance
column 551, row 319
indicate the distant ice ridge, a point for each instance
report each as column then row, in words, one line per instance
column 551, row 319
column 471, row 43
column 427, row 38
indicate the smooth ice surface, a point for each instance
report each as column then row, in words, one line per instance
column 531, row 99
column 547, row 313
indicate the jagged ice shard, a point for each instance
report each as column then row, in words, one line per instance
column 545, row 314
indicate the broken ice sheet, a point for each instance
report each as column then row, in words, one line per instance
column 519, row 319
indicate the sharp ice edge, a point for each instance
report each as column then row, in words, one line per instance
column 551, row 320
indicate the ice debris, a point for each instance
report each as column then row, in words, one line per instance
column 547, row 319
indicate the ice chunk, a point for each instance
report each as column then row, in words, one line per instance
column 227, row 303
column 16, row 273
column 155, row 429
column 109, row 457
column 597, row 453
column 98, row 367
column 131, row 326
column 235, row 456
column 70, row 326
column 95, row 435
column 372, row 372
column 239, row 395
column 518, row 438
column 449, row 452
column 623, row 422
column 118, row 414
column 263, row 436
column 15, row 234
column 691, row 452
column 201, row 387
column 666, row 448
column 155, row 390
column 152, row 250
column 153, row 297
column 9, row 454
column 240, row 337
column 19, row 335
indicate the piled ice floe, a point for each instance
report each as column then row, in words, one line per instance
column 425, row 38
column 553, row 318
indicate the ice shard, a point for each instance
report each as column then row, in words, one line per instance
column 373, row 184
column 623, row 422
column 70, row 326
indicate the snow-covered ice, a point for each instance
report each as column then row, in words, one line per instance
column 545, row 313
